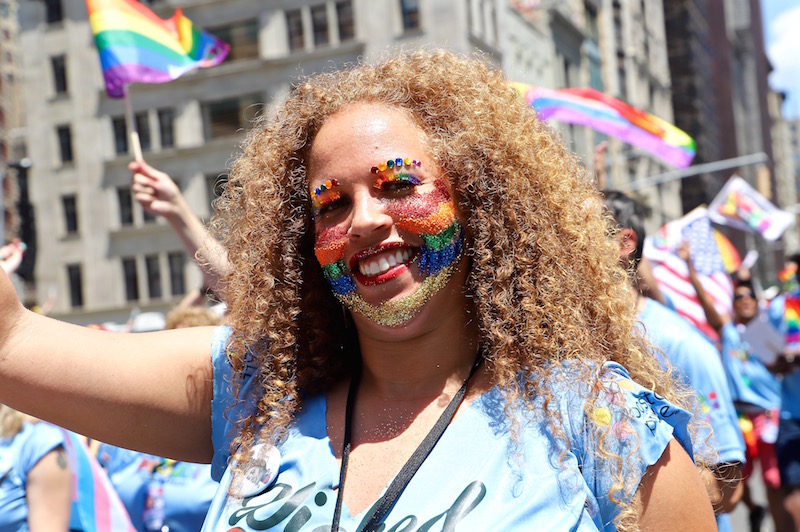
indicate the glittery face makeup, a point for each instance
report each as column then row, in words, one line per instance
column 324, row 196
column 429, row 215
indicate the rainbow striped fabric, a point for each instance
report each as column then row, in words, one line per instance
column 98, row 506
column 601, row 112
column 137, row 46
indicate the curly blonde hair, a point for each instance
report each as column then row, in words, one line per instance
column 544, row 275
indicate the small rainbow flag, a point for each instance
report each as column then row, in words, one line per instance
column 601, row 112
column 731, row 260
column 137, row 46
column 791, row 317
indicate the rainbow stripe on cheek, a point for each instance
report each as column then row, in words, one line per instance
column 432, row 216
column 329, row 247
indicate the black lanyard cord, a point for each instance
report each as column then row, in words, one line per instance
column 379, row 510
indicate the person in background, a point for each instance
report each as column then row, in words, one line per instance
column 787, row 367
column 162, row 494
column 35, row 478
column 696, row 359
column 756, row 392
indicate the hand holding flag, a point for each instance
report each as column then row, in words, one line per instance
column 672, row 273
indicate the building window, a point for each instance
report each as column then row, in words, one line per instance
column 54, row 11
column 75, row 279
column 228, row 117
column 319, row 24
column 59, row 64
column 243, row 38
column 120, row 135
column 130, row 277
column 294, row 28
column 410, row 12
column 65, row 143
column 177, row 282
column 143, row 128
column 125, row 206
column 166, row 127
column 153, row 269
column 69, row 204
column 345, row 21
column 148, row 217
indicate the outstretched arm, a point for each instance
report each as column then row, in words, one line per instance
column 148, row 391
column 157, row 193
column 713, row 317
column 671, row 495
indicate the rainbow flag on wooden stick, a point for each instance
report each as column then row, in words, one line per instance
column 137, row 46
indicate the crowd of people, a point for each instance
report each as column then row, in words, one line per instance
column 435, row 320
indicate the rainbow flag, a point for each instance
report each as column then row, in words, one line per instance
column 137, row 46
column 97, row 503
column 601, row 112
column 791, row 318
column 731, row 260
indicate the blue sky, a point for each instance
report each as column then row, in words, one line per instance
column 781, row 23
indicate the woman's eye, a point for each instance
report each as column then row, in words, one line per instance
column 405, row 184
column 328, row 208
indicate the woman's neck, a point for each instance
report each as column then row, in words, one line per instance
column 421, row 366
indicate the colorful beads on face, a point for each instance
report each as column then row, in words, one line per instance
column 324, row 195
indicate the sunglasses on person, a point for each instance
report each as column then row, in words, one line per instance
column 741, row 295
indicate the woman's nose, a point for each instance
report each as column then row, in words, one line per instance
column 368, row 217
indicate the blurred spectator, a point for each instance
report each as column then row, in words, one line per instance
column 35, row 479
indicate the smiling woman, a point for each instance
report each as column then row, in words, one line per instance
column 428, row 329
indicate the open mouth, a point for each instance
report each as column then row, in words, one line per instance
column 380, row 264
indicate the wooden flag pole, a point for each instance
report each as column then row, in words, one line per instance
column 133, row 134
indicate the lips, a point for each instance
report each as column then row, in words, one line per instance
column 382, row 263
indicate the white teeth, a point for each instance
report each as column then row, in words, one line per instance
column 386, row 261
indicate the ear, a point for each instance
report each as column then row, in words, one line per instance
column 627, row 243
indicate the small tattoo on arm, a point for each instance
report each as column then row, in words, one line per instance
column 61, row 459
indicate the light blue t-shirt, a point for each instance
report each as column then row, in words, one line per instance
column 790, row 382
column 751, row 383
column 476, row 477
column 699, row 362
column 18, row 455
column 187, row 488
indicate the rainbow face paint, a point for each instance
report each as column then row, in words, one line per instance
column 430, row 215
column 324, row 195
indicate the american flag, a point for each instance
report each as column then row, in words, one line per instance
column 672, row 274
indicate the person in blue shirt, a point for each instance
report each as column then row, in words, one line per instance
column 697, row 360
column 35, row 478
column 755, row 390
column 787, row 367
column 428, row 330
